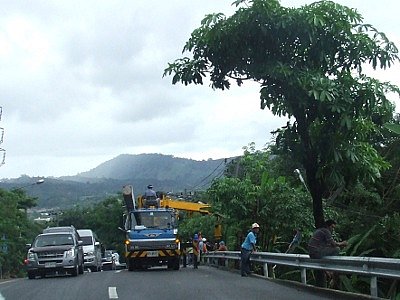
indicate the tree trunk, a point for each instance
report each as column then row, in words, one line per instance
column 319, row 220
column 318, row 211
column 316, row 190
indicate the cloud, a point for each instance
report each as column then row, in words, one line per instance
column 81, row 83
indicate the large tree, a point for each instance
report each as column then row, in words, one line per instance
column 309, row 62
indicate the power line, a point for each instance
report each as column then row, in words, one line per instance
column 209, row 175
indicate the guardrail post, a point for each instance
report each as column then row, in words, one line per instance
column 374, row 286
column 266, row 270
column 303, row 273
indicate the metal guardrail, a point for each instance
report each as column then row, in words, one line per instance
column 372, row 267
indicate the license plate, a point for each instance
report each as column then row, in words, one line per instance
column 152, row 253
column 50, row 265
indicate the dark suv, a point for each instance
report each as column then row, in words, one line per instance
column 57, row 249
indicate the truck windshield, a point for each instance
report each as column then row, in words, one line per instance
column 53, row 240
column 154, row 219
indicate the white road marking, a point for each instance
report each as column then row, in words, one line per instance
column 112, row 292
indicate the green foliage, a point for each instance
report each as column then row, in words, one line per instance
column 356, row 241
column 189, row 225
column 260, row 195
column 15, row 231
column 308, row 62
column 286, row 209
column 103, row 218
column 393, row 127
column 255, row 189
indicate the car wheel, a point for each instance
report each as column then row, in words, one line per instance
column 81, row 269
column 75, row 270
column 31, row 274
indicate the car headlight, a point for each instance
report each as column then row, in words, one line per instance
column 91, row 253
column 31, row 256
column 70, row 253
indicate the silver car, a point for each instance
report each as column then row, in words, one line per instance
column 53, row 253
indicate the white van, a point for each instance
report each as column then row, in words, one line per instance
column 91, row 250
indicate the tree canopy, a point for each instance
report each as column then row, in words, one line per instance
column 309, row 62
column 15, row 230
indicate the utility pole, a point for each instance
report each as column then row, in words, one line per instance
column 2, row 151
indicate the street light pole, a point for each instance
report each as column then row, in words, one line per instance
column 39, row 181
column 297, row 171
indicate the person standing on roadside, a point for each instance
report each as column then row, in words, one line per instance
column 222, row 247
column 195, row 245
column 248, row 247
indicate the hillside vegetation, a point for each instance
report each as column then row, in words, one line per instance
column 166, row 172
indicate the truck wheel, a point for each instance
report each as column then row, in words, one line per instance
column 131, row 265
column 176, row 264
column 31, row 274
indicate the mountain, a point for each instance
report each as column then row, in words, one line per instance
column 166, row 172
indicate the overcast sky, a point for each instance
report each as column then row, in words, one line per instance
column 81, row 82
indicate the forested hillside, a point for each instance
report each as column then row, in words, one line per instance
column 165, row 172
column 155, row 166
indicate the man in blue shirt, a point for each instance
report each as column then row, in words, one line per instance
column 150, row 197
column 248, row 247
column 150, row 192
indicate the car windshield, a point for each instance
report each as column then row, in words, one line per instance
column 87, row 240
column 53, row 240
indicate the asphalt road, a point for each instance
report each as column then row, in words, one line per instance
column 155, row 283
